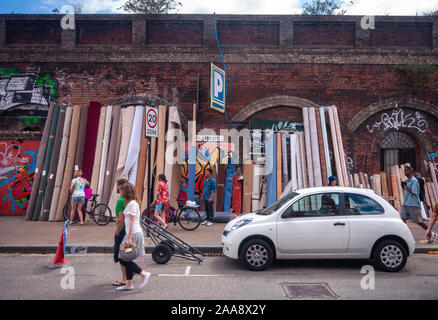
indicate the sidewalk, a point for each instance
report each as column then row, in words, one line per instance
column 20, row 236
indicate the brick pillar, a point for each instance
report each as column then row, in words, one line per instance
column 362, row 38
column 435, row 34
column 208, row 32
column 68, row 37
column 2, row 33
column 138, row 31
column 286, row 34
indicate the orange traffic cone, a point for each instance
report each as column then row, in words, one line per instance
column 59, row 261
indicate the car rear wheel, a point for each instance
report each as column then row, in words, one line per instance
column 256, row 254
column 390, row 256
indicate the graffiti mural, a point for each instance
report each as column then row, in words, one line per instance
column 17, row 170
column 17, row 89
column 208, row 154
column 399, row 119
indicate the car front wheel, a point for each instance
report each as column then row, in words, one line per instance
column 256, row 254
column 390, row 256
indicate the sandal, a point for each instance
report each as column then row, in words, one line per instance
column 118, row 283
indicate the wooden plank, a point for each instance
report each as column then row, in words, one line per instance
column 325, row 144
column 39, row 164
column 279, row 165
column 336, row 154
column 303, row 162
column 434, row 179
column 384, row 184
column 248, row 173
column 293, row 161
column 341, row 147
column 105, row 147
column 316, row 160
column 61, row 163
column 394, row 187
column 98, row 154
column 127, row 119
column 69, row 164
column 362, row 179
column 161, row 146
column 109, row 167
column 356, row 180
column 399, row 188
column 256, row 188
column 80, row 147
column 308, row 143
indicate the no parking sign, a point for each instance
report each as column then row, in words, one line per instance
column 151, row 122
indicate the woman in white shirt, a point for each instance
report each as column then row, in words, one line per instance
column 134, row 234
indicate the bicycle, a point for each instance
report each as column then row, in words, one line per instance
column 187, row 217
column 100, row 212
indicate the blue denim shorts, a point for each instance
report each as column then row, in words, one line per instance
column 78, row 200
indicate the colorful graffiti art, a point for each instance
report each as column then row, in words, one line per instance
column 208, row 154
column 17, row 89
column 17, row 169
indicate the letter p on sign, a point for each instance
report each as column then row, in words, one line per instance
column 217, row 88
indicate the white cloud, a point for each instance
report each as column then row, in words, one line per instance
column 391, row 7
column 241, row 7
column 359, row 7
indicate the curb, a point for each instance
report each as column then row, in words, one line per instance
column 109, row 249
column 90, row 248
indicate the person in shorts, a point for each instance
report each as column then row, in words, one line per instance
column 162, row 200
column 411, row 206
column 120, row 231
column 77, row 187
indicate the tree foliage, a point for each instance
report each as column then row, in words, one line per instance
column 151, row 6
column 323, row 7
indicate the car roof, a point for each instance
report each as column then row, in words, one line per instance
column 334, row 189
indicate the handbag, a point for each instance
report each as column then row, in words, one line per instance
column 129, row 252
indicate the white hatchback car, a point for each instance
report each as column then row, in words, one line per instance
column 321, row 223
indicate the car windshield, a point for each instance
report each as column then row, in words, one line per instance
column 277, row 205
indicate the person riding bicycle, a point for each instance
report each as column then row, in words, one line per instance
column 162, row 200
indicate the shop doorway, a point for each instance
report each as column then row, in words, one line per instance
column 397, row 148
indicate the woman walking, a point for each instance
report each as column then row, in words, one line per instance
column 77, row 187
column 134, row 234
column 162, row 200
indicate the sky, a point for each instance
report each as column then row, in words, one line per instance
column 358, row 7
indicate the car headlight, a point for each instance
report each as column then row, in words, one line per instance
column 241, row 223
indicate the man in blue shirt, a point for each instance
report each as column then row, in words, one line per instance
column 208, row 196
column 411, row 206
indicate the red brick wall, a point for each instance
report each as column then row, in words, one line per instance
column 114, row 33
column 174, row 32
column 330, row 33
column 33, row 32
column 247, row 33
column 406, row 34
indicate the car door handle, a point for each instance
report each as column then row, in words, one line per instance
column 339, row 223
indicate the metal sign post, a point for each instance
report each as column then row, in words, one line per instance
column 151, row 132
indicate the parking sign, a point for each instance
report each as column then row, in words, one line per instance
column 151, row 122
column 217, row 88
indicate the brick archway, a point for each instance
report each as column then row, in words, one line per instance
column 266, row 103
column 411, row 103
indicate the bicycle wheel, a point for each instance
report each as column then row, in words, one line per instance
column 102, row 214
column 66, row 212
column 189, row 219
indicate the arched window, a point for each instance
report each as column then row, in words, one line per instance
column 397, row 148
